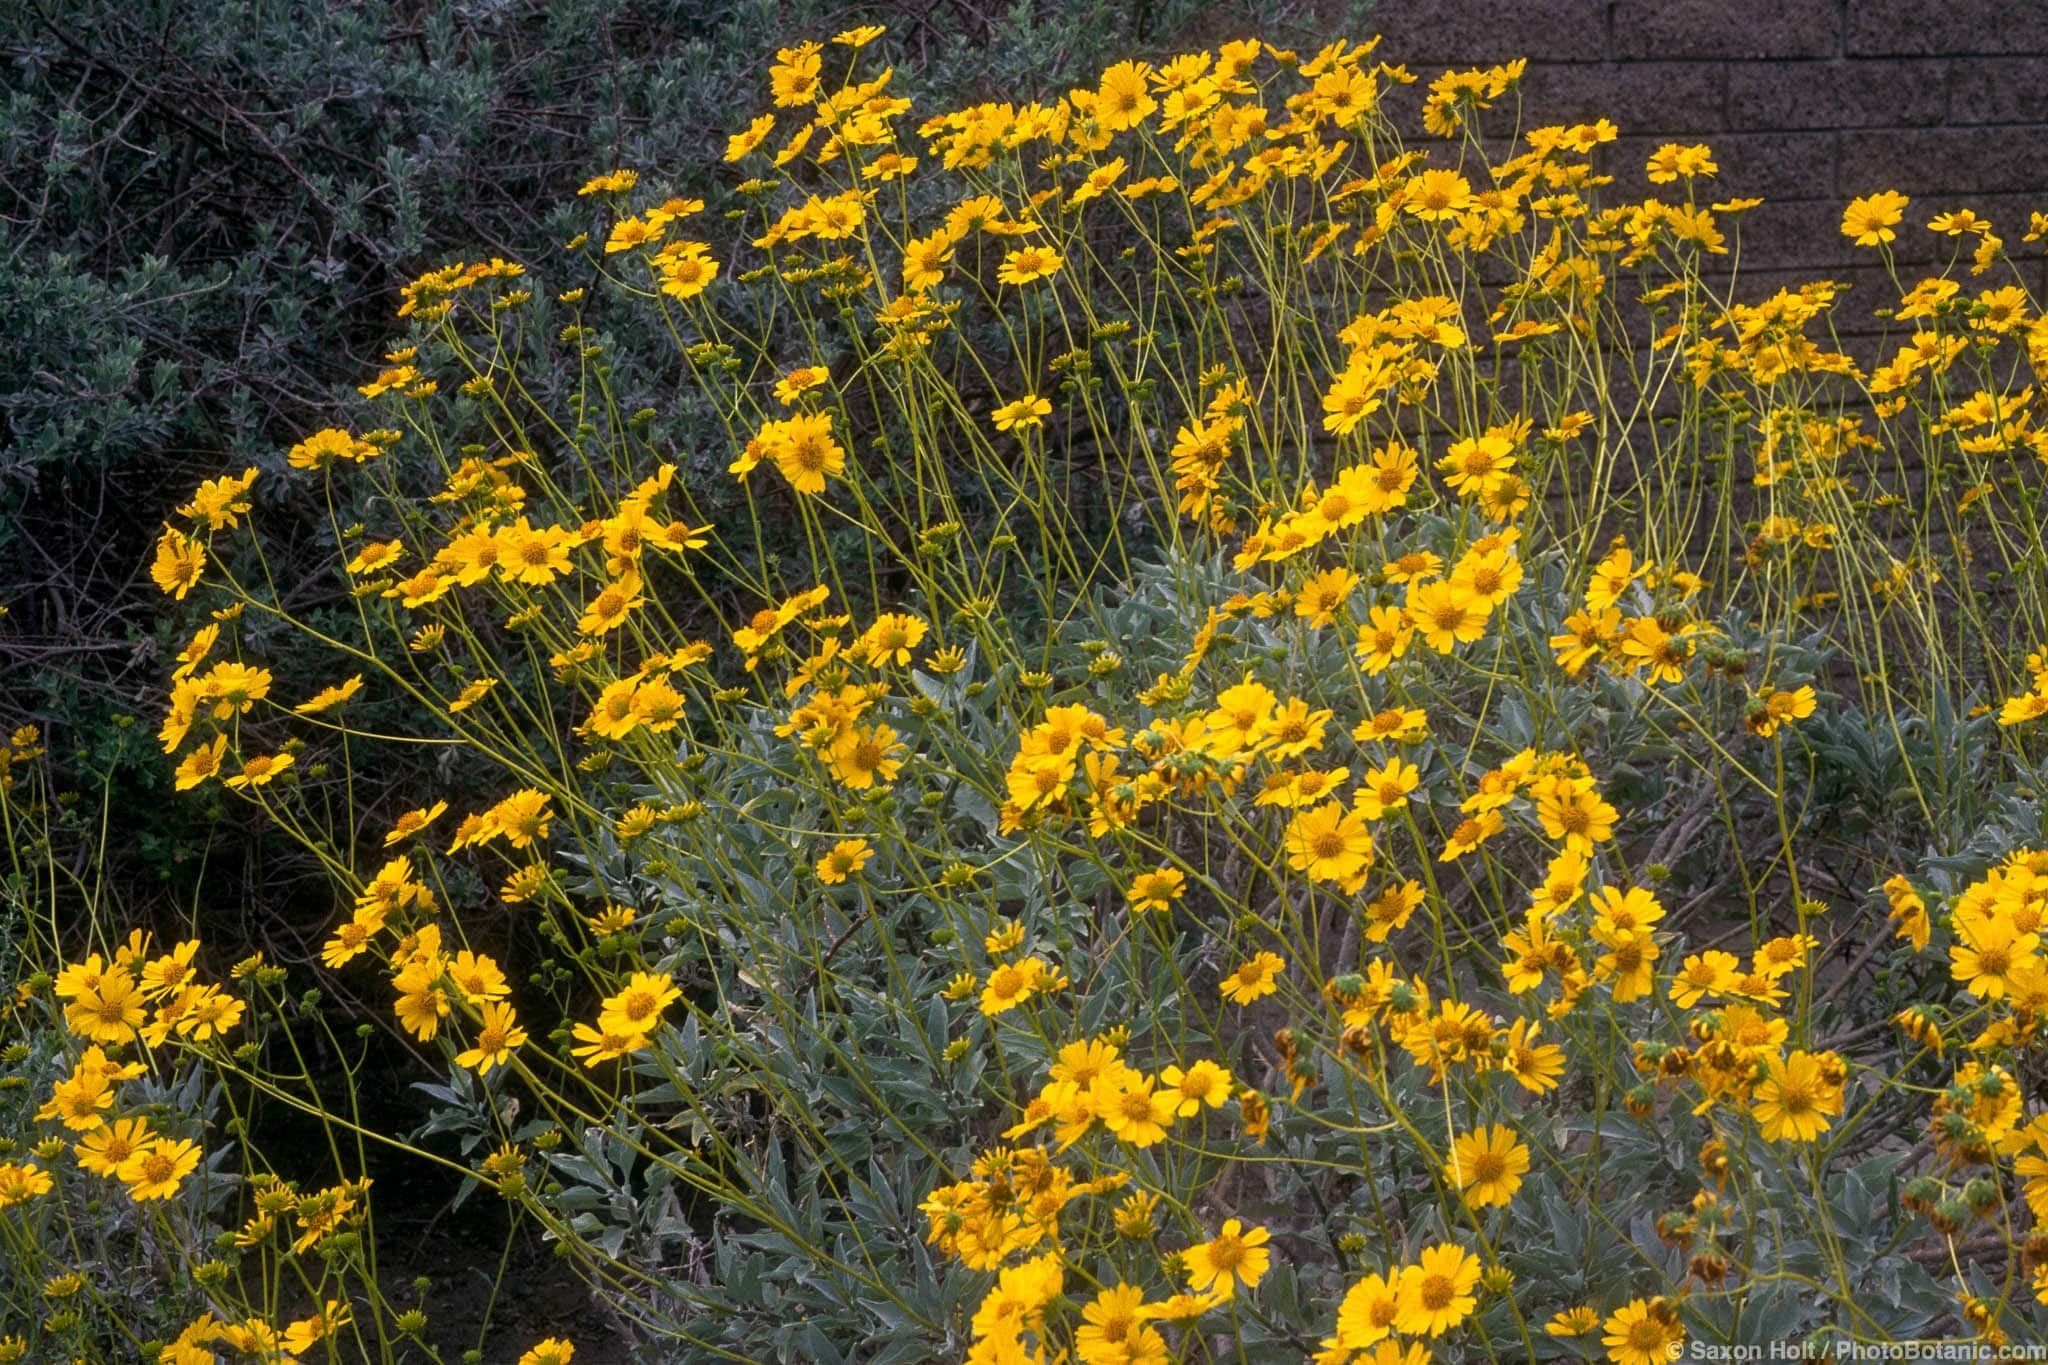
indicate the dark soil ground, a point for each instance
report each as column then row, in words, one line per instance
column 421, row 1234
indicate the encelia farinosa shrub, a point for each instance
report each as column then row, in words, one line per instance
column 1240, row 741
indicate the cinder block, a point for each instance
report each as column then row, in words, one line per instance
column 1807, row 233
column 1999, row 89
column 1773, row 165
column 1946, row 102
column 1675, row 100
column 1671, row 100
column 1671, row 29
column 1423, row 33
column 1838, row 94
column 1930, row 28
column 1803, row 234
column 1946, row 161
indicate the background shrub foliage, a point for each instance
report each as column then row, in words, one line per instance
column 1150, row 724
column 207, row 212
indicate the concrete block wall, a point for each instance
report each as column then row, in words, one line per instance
column 1807, row 103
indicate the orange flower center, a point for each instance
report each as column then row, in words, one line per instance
column 1226, row 1253
column 1646, row 1335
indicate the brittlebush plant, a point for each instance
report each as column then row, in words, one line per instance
column 1206, row 748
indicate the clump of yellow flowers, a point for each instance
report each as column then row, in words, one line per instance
column 1202, row 738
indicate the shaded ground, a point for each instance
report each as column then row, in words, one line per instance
column 539, row 1296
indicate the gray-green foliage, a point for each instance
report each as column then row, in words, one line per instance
column 210, row 206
